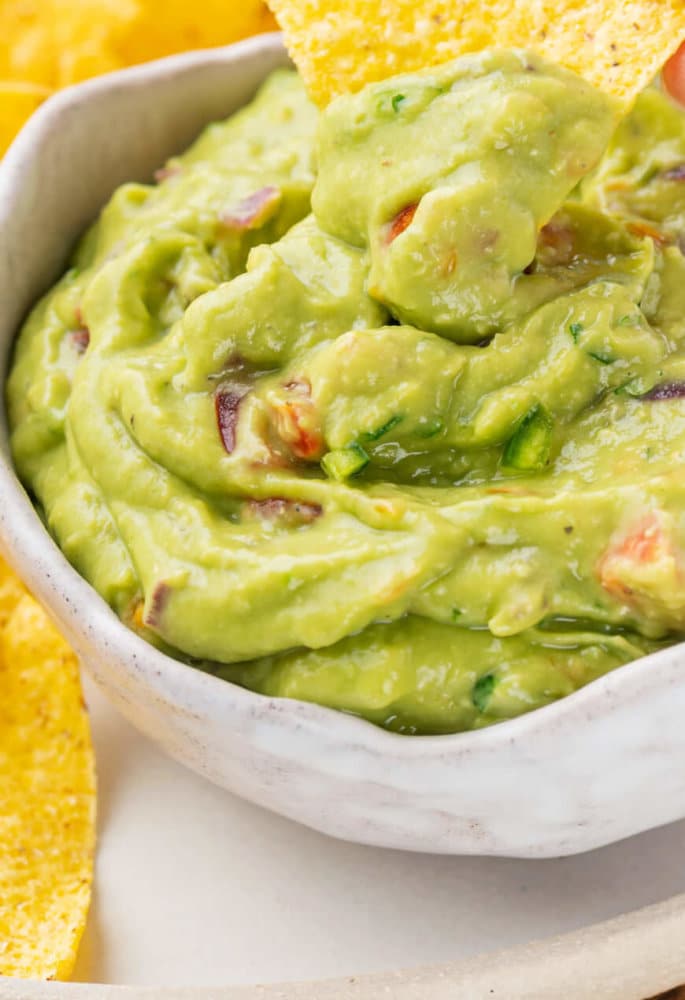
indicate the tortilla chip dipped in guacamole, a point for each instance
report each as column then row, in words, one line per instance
column 383, row 407
column 341, row 45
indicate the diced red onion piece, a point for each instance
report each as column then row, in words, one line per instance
column 227, row 400
column 253, row 211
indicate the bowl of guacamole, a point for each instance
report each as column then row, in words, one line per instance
column 378, row 409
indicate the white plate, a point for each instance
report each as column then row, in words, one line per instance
column 195, row 887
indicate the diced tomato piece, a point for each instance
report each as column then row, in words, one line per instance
column 674, row 75
column 644, row 543
column 297, row 421
column 623, row 567
column 644, row 568
column 402, row 221
column 297, row 426
column 642, row 229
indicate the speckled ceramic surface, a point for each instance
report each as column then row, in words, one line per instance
column 601, row 765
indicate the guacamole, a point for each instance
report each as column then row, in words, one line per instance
column 382, row 408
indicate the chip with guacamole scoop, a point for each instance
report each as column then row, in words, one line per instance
column 340, row 45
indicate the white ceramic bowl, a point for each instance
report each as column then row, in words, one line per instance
column 601, row 765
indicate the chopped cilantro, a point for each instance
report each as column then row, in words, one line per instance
column 482, row 691
column 379, row 432
column 602, row 357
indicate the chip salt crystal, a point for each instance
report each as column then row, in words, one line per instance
column 47, row 793
column 341, row 45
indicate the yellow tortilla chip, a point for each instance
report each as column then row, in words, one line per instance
column 341, row 45
column 96, row 36
column 47, row 793
column 11, row 592
column 183, row 26
column 88, row 35
column 18, row 101
column 26, row 42
column 53, row 43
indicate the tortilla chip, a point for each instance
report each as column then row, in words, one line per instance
column 26, row 43
column 183, row 27
column 341, row 45
column 55, row 43
column 18, row 101
column 47, row 794
column 11, row 592
column 88, row 37
column 97, row 36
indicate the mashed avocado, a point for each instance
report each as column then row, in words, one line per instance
column 384, row 410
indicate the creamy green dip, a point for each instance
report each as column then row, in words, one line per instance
column 382, row 409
